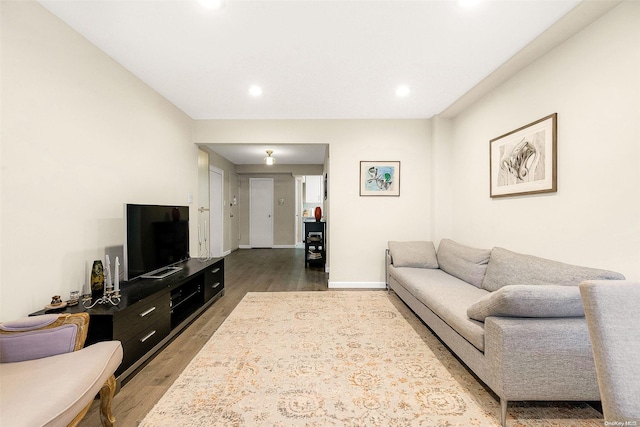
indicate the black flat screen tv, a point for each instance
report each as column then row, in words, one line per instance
column 156, row 238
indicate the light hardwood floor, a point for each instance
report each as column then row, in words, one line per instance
column 254, row 270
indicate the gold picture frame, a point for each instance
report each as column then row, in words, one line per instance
column 524, row 161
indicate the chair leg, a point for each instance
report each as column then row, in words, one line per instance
column 106, row 396
column 80, row 416
column 503, row 412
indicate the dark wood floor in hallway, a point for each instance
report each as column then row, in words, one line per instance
column 246, row 270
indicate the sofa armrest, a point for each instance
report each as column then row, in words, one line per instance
column 525, row 355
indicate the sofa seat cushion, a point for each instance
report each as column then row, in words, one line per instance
column 529, row 301
column 511, row 268
column 447, row 296
column 51, row 391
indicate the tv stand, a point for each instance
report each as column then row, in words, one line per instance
column 151, row 312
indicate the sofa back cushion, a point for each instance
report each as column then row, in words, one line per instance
column 511, row 268
column 465, row 263
column 529, row 301
column 419, row 254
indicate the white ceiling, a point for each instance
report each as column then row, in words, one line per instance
column 314, row 59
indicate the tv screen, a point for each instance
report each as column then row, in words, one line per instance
column 156, row 237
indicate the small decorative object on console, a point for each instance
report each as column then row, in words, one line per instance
column 102, row 293
column 318, row 213
column 97, row 279
column 56, row 303
column 74, row 297
column 110, row 297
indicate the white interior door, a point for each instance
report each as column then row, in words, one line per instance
column 261, row 212
column 216, row 201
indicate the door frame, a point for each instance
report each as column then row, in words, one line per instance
column 216, row 215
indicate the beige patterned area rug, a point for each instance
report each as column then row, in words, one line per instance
column 340, row 358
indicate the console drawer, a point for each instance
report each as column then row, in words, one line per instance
column 145, row 340
column 140, row 316
column 213, row 280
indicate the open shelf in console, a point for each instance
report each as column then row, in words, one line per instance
column 186, row 299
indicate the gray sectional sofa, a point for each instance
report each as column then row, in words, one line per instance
column 517, row 321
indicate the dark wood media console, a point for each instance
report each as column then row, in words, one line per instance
column 153, row 311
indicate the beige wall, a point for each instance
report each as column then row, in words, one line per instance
column 358, row 227
column 81, row 136
column 592, row 82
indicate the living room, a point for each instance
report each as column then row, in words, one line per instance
column 81, row 136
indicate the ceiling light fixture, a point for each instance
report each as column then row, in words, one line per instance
column 212, row 4
column 255, row 90
column 402, row 90
column 468, row 3
column 269, row 160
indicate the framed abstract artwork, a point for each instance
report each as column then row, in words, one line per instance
column 524, row 161
column 379, row 178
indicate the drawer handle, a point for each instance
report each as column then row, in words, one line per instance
column 146, row 337
column 216, row 270
column 215, row 285
column 144, row 313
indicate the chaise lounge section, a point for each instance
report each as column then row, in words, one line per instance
column 517, row 321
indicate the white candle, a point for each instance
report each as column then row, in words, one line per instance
column 199, row 236
column 86, row 289
column 116, row 280
column 107, row 276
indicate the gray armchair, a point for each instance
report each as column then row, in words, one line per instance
column 47, row 378
column 613, row 317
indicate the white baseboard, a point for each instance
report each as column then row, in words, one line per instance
column 358, row 285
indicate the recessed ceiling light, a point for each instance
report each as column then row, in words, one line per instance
column 212, row 4
column 403, row 90
column 255, row 90
column 468, row 3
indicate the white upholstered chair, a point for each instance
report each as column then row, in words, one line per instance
column 48, row 377
column 612, row 309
